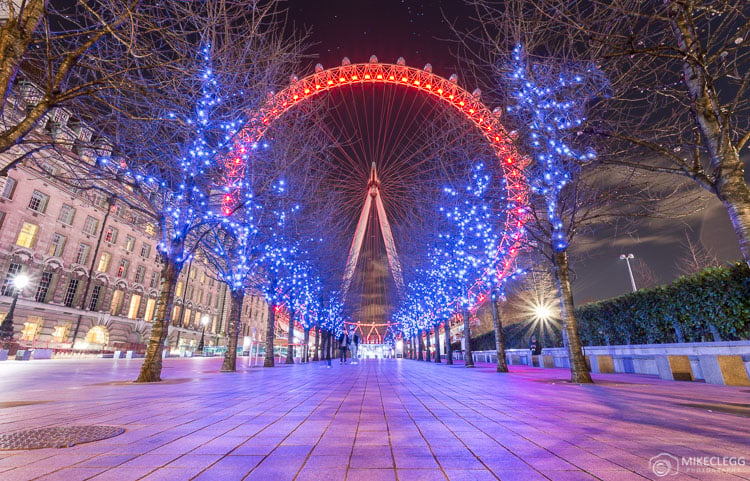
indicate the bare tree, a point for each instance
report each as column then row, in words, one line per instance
column 63, row 54
column 695, row 258
column 679, row 76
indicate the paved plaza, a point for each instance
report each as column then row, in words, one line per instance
column 379, row 420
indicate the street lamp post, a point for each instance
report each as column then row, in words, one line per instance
column 204, row 322
column 627, row 258
column 6, row 329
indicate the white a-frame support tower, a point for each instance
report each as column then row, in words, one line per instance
column 373, row 195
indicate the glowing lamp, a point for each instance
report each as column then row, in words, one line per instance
column 367, row 76
column 342, row 79
column 330, row 82
column 380, row 76
column 404, row 79
column 307, row 91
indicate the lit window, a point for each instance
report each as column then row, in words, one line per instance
column 31, row 329
column 60, row 334
column 145, row 250
column 150, row 229
column 129, row 243
column 38, row 202
column 27, row 236
column 97, row 335
column 57, row 245
column 178, row 289
column 110, row 235
column 116, row 306
column 135, row 303
column 150, row 307
column 104, row 262
column 122, row 269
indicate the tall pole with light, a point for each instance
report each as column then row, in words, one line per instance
column 6, row 329
column 204, row 323
column 627, row 258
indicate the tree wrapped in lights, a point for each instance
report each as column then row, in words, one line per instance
column 550, row 102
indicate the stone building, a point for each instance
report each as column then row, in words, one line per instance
column 92, row 261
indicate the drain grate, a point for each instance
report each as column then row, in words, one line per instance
column 57, row 437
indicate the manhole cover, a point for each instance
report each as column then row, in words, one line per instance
column 57, row 437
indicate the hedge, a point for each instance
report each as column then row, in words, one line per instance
column 711, row 305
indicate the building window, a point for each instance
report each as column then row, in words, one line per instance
column 208, row 299
column 9, row 188
column 150, row 229
column 13, row 270
column 38, row 202
column 140, row 273
column 193, row 273
column 60, row 334
column 67, row 213
column 97, row 335
column 2, row 219
column 57, row 246
column 122, row 269
column 129, row 244
column 116, row 305
column 178, row 288
column 110, row 235
column 135, row 303
column 27, row 236
column 83, row 253
column 31, row 329
column 41, row 291
column 150, row 307
column 154, row 280
column 91, row 225
column 145, row 250
column 189, row 293
column 104, row 262
column 95, row 297
column 70, row 293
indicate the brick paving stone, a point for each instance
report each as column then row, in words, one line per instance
column 421, row 475
column 304, row 422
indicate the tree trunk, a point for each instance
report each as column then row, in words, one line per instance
column 468, row 355
column 151, row 367
column 317, row 343
column 579, row 373
column 305, row 348
column 420, row 352
column 736, row 199
column 235, row 319
column 270, row 333
column 437, row 343
column 502, row 366
column 427, row 356
column 290, row 340
column 448, row 347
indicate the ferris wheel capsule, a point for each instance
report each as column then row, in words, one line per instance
column 477, row 94
column 345, row 61
column 427, row 68
column 319, row 68
column 453, row 78
column 401, row 62
column 373, row 59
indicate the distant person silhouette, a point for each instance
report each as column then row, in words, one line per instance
column 343, row 346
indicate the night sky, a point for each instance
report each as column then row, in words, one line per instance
column 418, row 31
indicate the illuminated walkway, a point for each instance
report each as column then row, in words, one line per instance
column 385, row 420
